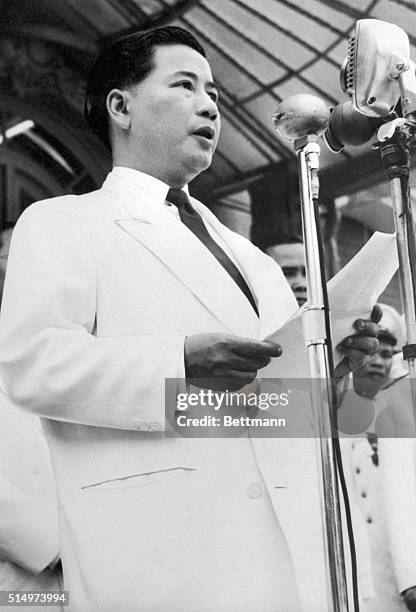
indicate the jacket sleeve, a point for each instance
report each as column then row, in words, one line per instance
column 28, row 529
column 51, row 362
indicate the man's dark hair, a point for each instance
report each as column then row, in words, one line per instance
column 124, row 62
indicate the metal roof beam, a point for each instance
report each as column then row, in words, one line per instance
column 409, row 4
column 169, row 13
column 290, row 72
column 289, row 33
column 69, row 13
column 322, row 22
column 345, row 8
column 128, row 9
column 352, row 12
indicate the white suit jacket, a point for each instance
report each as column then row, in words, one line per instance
column 395, row 428
column 100, row 292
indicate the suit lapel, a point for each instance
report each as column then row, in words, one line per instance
column 194, row 265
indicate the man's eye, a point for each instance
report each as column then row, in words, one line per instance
column 214, row 96
column 187, row 85
column 289, row 270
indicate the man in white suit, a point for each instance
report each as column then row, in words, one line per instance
column 109, row 294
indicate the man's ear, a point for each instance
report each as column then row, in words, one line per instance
column 118, row 107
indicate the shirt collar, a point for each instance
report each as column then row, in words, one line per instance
column 154, row 187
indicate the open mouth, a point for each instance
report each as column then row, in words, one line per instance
column 300, row 295
column 206, row 132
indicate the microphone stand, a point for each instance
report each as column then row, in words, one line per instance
column 318, row 342
column 396, row 138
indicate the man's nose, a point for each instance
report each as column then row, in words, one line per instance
column 299, row 280
column 376, row 360
column 209, row 108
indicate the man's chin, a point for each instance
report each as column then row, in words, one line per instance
column 301, row 299
column 198, row 163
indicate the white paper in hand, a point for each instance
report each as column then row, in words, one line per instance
column 352, row 294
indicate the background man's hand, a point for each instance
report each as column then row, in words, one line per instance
column 222, row 361
column 356, row 348
column 409, row 598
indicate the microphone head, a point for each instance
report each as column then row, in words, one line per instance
column 301, row 115
column 368, row 74
column 347, row 126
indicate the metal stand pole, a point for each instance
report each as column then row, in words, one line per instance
column 395, row 154
column 318, row 348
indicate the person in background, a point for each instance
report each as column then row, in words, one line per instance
column 29, row 544
column 397, row 457
column 369, row 459
column 288, row 249
column 291, row 258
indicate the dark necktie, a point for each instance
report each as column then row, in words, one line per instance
column 193, row 221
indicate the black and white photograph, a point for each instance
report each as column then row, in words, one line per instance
column 208, row 305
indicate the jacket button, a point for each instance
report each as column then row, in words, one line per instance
column 254, row 490
column 141, row 425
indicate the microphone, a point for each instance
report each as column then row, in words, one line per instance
column 301, row 115
column 376, row 74
column 346, row 126
column 378, row 54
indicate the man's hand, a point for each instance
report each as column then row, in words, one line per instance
column 356, row 348
column 223, row 361
column 409, row 598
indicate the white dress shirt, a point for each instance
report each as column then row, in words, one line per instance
column 157, row 191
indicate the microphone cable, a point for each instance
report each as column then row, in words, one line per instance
column 334, row 417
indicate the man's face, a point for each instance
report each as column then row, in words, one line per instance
column 373, row 375
column 175, row 121
column 291, row 259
